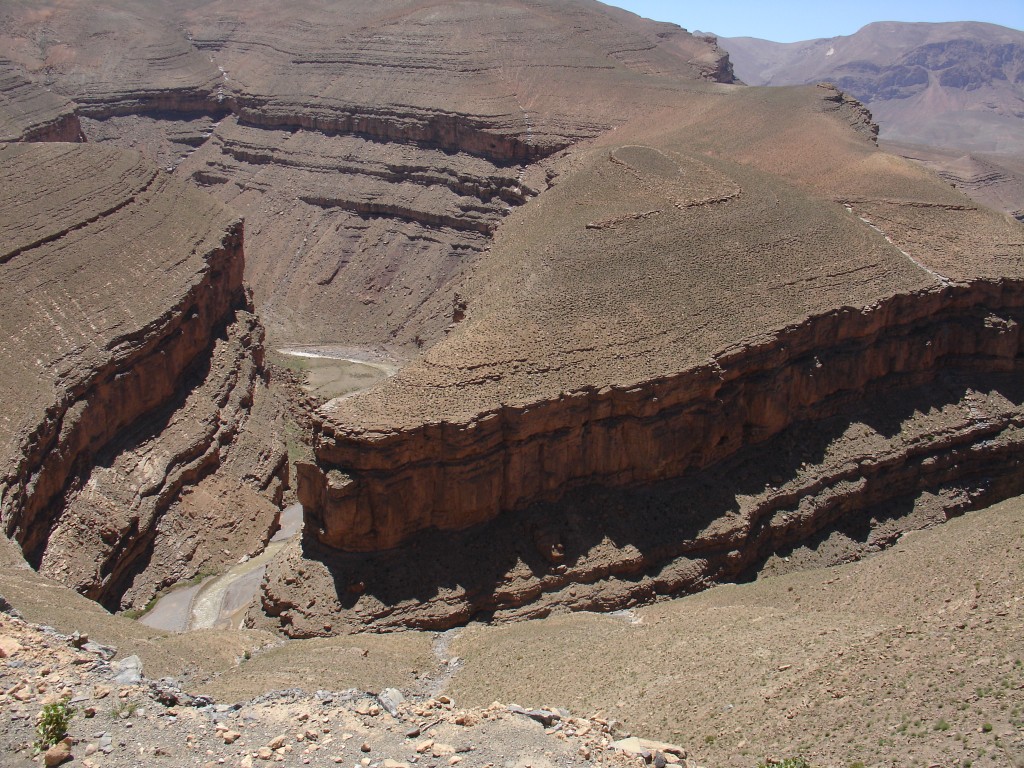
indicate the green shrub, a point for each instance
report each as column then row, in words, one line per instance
column 52, row 725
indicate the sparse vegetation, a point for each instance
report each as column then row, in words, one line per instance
column 789, row 762
column 52, row 725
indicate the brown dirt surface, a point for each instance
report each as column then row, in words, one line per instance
column 913, row 656
column 877, row 661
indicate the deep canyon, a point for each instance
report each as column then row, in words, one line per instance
column 649, row 327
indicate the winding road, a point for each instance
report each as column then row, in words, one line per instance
column 219, row 601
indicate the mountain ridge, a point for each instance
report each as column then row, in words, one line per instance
column 952, row 84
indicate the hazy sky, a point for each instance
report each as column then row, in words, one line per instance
column 787, row 21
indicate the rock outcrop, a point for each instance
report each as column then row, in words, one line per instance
column 132, row 373
column 381, row 488
column 993, row 180
column 29, row 112
column 584, row 374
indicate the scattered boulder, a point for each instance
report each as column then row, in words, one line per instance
column 648, row 748
column 390, row 699
column 545, row 717
column 128, row 671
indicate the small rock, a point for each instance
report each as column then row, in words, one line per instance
column 105, row 652
column 58, row 753
column 264, row 753
column 8, row 646
column 423, row 746
column 442, row 750
column 365, row 747
column 91, row 749
column 277, row 742
column 637, row 746
column 389, row 763
column 128, row 671
column 230, row 737
column 543, row 716
column 390, row 698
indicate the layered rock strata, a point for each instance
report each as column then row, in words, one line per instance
column 132, row 367
column 818, row 493
column 371, row 150
column 29, row 112
column 380, row 489
column 993, row 180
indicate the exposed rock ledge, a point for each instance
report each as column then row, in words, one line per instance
column 374, row 490
column 844, row 415
column 29, row 112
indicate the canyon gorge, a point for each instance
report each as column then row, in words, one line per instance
column 645, row 327
column 473, row 351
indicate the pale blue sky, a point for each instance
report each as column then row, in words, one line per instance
column 787, row 22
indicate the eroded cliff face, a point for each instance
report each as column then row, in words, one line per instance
column 374, row 492
column 134, row 374
column 676, row 364
column 29, row 112
column 830, row 440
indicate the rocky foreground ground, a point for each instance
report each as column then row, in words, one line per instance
column 912, row 656
column 123, row 719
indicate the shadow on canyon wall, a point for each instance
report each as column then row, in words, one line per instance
column 863, row 469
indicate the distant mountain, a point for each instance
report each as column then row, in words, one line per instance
column 958, row 84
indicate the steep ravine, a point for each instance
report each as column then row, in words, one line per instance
column 141, row 374
column 159, row 452
column 825, row 376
